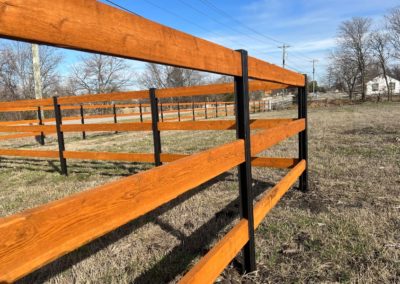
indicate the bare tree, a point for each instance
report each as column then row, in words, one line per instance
column 16, row 73
column 393, row 26
column 97, row 74
column 353, row 40
column 394, row 72
column 379, row 42
column 160, row 76
column 344, row 70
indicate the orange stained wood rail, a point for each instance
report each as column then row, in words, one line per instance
column 75, row 24
column 66, row 228
column 213, row 89
column 282, row 163
column 146, row 126
column 215, row 261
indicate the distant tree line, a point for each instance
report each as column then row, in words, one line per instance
column 365, row 51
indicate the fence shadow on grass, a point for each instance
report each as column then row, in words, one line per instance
column 67, row 261
column 103, row 168
column 179, row 258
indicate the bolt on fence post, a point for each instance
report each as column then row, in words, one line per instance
column 60, row 136
column 244, row 169
column 115, row 115
column 40, row 122
column 82, row 122
column 193, row 113
column 303, row 139
column 205, row 110
column 162, row 114
column 154, row 123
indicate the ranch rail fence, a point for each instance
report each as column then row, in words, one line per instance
column 59, row 129
column 33, row 238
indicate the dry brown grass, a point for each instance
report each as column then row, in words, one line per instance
column 346, row 229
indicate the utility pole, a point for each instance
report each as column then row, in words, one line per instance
column 284, row 53
column 37, row 78
column 313, row 74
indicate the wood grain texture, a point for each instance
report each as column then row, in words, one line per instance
column 272, row 136
column 280, row 163
column 30, row 239
column 80, row 24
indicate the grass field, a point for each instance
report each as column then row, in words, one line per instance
column 346, row 229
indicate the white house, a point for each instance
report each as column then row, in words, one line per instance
column 378, row 86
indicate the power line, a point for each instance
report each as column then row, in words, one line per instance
column 121, row 7
column 222, row 12
column 240, row 44
column 217, row 21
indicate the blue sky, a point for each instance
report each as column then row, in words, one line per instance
column 308, row 26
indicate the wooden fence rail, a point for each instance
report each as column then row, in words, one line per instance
column 35, row 237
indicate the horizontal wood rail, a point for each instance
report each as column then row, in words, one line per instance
column 68, row 101
column 215, row 261
column 269, row 137
column 282, row 163
column 146, row 126
column 18, row 135
column 75, row 24
column 215, row 89
column 74, row 99
column 29, row 153
column 127, row 157
column 64, row 225
column 220, row 124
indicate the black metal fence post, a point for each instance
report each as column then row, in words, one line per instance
column 216, row 109
column 141, row 112
column 162, row 113
column 205, row 110
column 193, row 111
column 244, row 169
column 179, row 112
column 83, row 122
column 60, row 136
column 226, row 110
column 40, row 122
column 154, row 122
column 115, row 115
column 303, row 139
